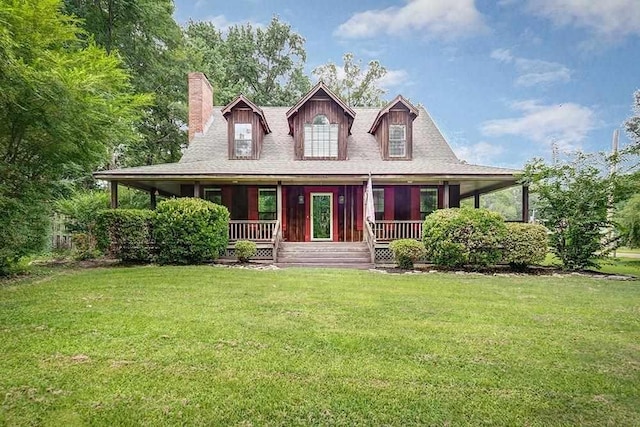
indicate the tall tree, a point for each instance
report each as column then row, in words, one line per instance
column 573, row 202
column 358, row 87
column 149, row 41
column 64, row 103
column 632, row 126
column 264, row 64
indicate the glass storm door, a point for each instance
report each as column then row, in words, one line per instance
column 321, row 216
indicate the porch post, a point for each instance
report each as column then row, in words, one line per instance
column 445, row 198
column 196, row 189
column 279, row 202
column 152, row 198
column 525, row 203
column 476, row 199
column 114, row 194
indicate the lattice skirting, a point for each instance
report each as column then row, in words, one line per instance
column 384, row 255
column 262, row 253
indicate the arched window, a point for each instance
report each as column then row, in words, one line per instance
column 321, row 138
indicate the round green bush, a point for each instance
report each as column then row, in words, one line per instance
column 245, row 249
column 458, row 236
column 524, row 244
column 406, row 252
column 190, row 231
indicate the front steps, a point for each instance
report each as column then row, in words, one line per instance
column 324, row 254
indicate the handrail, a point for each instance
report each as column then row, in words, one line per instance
column 275, row 240
column 370, row 238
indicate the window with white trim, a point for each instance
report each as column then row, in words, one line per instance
column 321, row 138
column 428, row 201
column 242, row 140
column 378, row 203
column 213, row 195
column 397, row 140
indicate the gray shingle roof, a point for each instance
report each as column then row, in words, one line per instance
column 207, row 153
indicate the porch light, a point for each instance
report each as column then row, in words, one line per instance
column 341, row 199
column 301, row 199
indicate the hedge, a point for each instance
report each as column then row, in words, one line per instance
column 190, row 231
column 458, row 236
column 126, row 234
column 524, row 244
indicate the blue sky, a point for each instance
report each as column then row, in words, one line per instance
column 502, row 79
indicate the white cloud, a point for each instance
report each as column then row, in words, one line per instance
column 533, row 72
column 479, row 153
column 441, row 18
column 223, row 24
column 608, row 18
column 564, row 124
column 394, row 78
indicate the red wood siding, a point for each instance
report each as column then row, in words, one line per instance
column 335, row 114
column 389, row 203
column 252, row 196
column 415, row 203
column 397, row 116
column 245, row 115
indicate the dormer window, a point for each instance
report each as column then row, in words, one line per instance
column 246, row 128
column 393, row 128
column 397, row 140
column 321, row 138
column 243, row 140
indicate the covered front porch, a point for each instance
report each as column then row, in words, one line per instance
column 326, row 210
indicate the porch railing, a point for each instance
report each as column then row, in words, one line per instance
column 386, row 231
column 254, row 230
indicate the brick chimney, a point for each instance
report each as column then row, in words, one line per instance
column 200, row 104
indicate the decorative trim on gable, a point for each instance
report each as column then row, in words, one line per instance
column 413, row 111
column 257, row 110
column 320, row 86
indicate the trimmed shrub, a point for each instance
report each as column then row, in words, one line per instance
column 406, row 252
column 245, row 249
column 524, row 244
column 190, row 231
column 84, row 245
column 126, row 234
column 459, row 236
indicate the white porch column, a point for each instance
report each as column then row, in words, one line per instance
column 445, row 197
column 196, row 189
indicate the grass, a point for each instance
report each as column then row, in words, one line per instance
column 617, row 266
column 216, row 346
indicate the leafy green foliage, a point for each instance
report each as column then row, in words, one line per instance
column 245, row 250
column 406, row 252
column 126, row 233
column 64, row 103
column 524, row 244
column 84, row 246
column 190, row 231
column 266, row 64
column 144, row 34
column 628, row 222
column 359, row 88
column 573, row 201
column 459, row 236
column 24, row 223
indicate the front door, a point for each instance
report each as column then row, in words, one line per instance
column 321, row 216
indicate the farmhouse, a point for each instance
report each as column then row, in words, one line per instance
column 301, row 173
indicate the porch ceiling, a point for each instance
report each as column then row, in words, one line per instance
column 170, row 186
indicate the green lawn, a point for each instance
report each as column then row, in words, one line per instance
column 215, row 346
